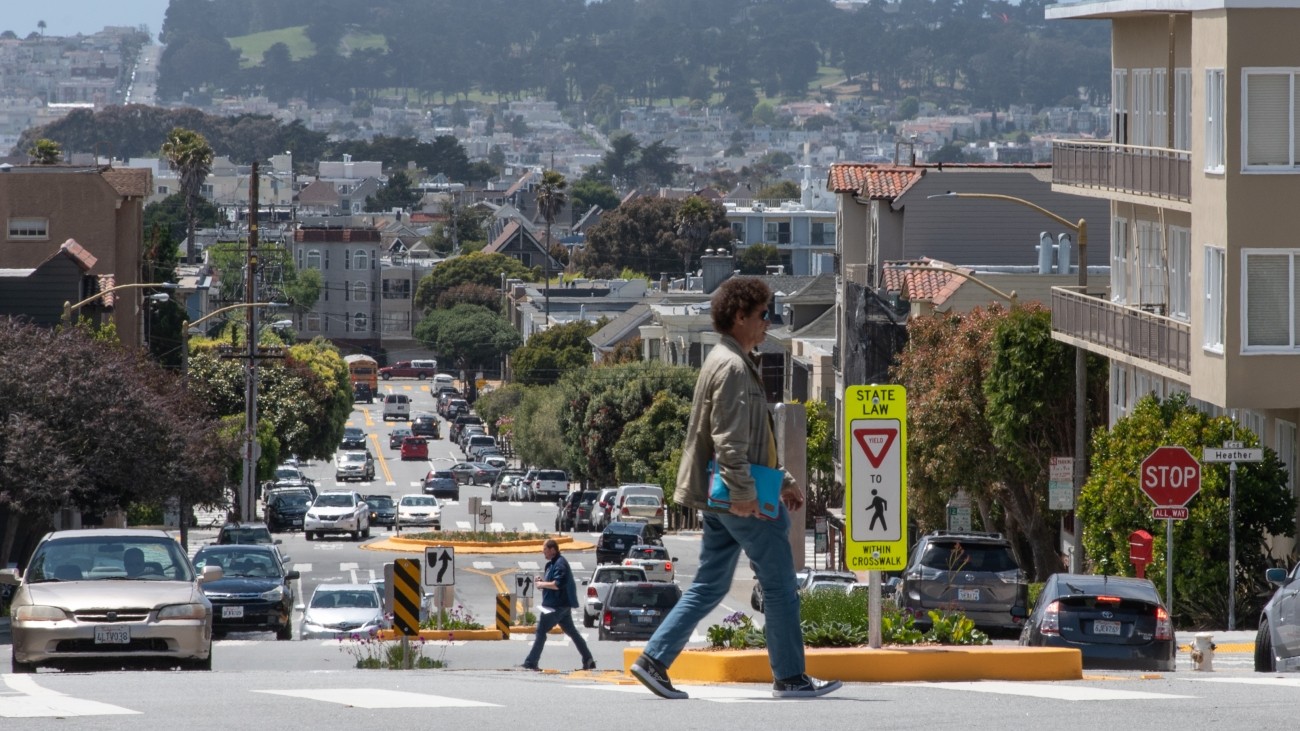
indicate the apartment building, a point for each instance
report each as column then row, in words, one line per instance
column 1201, row 177
column 348, row 311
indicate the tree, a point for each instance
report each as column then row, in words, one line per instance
column 536, row 439
column 552, row 353
column 41, row 25
column 785, row 190
column 754, row 258
column 1111, row 506
column 650, row 448
column 643, row 235
column 823, row 491
column 471, row 294
column 476, row 268
column 45, row 151
column 587, row 193
column 469, row 334
column 694, row 222
column 189, row 153
column 171, row 214
column 398, row 193
column 550, row 201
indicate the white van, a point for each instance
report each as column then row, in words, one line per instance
column 440, row 380
column 642, row 511
column 397, row 406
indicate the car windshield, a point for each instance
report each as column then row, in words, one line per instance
column 352, row 431
column 443, row 475
column 655, row 552
column 104, row 557
column 615, row 575
column 552, row 475
column 415, row 441
column 629, row 528
column 419, row 501
column 334, row 501
column 345, row 599
column 251, row 534
column 287, row 473
column 248, row 564
column 642, row 595
column 642, row 500
column 357, row 457
column 285, row 501
column 968, row 557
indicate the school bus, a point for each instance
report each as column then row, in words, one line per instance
column 363, row 371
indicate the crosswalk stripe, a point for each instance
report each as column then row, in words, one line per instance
column 714, row 693
column 35, row 701
column 531, row 528
column 529, row 566
column 483, row 565
column 348, row 566
column 462, row 525
column 1053, row 691
column 379, row 698
column 1279, row 682
column 302, row 568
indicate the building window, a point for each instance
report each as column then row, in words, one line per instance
column 29, row 229
column 1215, row 139
column 1119, row 259
column 776, row 232
column 1215, row 278
column 653, row 353
column 397, row 289
column 1118, row 392
column 823, row 233
column 1158, row 132
column 738, row 231
column 313, row 258
column 1284, row 443
column 1141, row 107
column 1270, row 120
column 1252, row 420
column 395, row 322
column 360, row 260
column 1147, row 383
column 360, row 292
column 327, row 258
column 360, row 322
column 313, row 322
column 1151, row 269
column 1182, row 109
column 1180, row 273
column 1119, row 102
column 1269, row 315
column 347, row 259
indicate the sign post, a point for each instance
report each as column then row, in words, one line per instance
column 1171, row 477
column 875, row 478
column 1232, row 453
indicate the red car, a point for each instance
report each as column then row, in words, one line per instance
column 415, row 448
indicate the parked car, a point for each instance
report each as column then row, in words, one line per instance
column 603, row 509
column 642, row 507
column 548, row 484
column 442, row 483
column 633, row 611
column 254, row 592
column 474, row 473
column 1277, row 642
column 1115, row 622
column 420, row 369
column 974, row 572
column 458, row 422
column 476, row 441
column 93, row 595
column 285, row 509
column 618, row 538
column 342, row 609
column 575, row 511
column 598, row 586
column 501, row 488
column 353, row 438
column 415, row 448
column 419, row 510
column 245, row 533
column 456, row 407
column 292, row 473
column 756, row 594
column 426, row 425
column 495, row 459
column 396, row 436
column 354, row 465
column 397, row 406
column 383, row 510
column 337, row 512
column 654, row 560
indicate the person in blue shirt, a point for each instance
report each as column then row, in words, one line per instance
column 559, row 599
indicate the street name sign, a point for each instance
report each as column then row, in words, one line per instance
column 875, row 463
column 1232, row 454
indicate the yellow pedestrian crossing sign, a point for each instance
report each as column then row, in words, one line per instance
column 875, row 471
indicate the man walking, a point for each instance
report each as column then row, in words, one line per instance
column 730, row 427
column 559, row 598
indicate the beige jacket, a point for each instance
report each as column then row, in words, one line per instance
column 729, row 422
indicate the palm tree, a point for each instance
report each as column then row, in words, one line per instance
column 550, row 201
column 45, row 152
column 189, row 154
column 41, row 24
column 694, row 225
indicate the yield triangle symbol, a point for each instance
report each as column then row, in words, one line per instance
column 875, row 443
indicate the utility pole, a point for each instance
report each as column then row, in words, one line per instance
column 249, row 484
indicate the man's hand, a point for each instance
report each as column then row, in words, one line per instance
column 792, row 497
column 744, row 508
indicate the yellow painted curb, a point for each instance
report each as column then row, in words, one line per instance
column 886, row 665
column 1224, row 647
column 447, row 634
column 531, row 629
column 416, row 545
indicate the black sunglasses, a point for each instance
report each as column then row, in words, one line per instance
column 762, row 315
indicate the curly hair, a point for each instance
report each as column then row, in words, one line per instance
column 736, row 296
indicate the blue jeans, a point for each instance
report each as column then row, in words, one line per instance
column 547, row 620
column 767, row 544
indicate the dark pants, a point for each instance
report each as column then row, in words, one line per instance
column 564, row 619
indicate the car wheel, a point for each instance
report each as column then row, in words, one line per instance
column 22, row 667
column 285, row 632
column 204, row 664
column 366, row 533
column 1264, row 649
column 601, row 634
column 588, row 620
column 309, row 535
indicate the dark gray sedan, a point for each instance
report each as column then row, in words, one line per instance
column 1114, row 622
column 1277, row 645
column 634, row 611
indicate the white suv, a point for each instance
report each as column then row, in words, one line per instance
column 337, row 512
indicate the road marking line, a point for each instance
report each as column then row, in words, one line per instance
column 37, row 701
column 483, row 565
column 531, row 528
column 1056, row 692
column 463, row 524
column 349, row 566
column 714, row 693
column 529, row 566
column 577, row 566
column 379, row 698
column 1279, row 682
column 302, row 568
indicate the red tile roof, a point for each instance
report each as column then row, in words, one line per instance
column 130, row 182
column 922, row 284
column 872, row 180
column 77, row 253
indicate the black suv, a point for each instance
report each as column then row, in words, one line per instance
column 575, row 511
column 285, row 509
column 426, row 425
column 619, row 537
column 353, row 438
column 976, row 573
column 383, row 510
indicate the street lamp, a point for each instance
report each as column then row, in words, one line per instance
column 69, row 308
column 1080, row 229
column 949, row 269
column 250, row 405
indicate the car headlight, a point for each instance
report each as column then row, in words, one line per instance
column 312, row 515
column 273, row 595
column 38, row 613
column 183, row 611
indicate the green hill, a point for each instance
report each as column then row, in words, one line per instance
column 252, row 46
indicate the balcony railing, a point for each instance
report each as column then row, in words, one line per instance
column 1152, row 171
column 1122, row 329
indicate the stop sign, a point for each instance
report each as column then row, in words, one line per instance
column 1170, row 476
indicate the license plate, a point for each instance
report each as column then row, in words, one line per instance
column 644, row 620
column 232, row 612
column 112, row 635
column 968, row 595
column 1105, row 627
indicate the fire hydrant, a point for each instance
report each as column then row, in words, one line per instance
column 1203, row 652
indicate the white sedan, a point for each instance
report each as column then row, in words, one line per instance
column 418, row 509
column 343, row 610
column 337, row 512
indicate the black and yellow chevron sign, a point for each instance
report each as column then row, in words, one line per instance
column 406, row 596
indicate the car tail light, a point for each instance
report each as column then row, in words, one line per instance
column 668, row 565
column 1013, row 576
column 659, row 513
column 625, row 512
column 1164, row 628
column 1107, row 600
column 1051, row 624
column 591, row 591
column 607, row 619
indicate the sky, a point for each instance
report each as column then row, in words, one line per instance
column 70, row 17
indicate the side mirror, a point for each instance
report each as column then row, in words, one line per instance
column 211, row 573
column 1274, row 576
column 586, row 581
column 675, row 559
column 10, row 577
column 292, row 575
column 277, row 541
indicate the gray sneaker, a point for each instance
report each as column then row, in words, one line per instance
column 803, row 686
column 654, row 676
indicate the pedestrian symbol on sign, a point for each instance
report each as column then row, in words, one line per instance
column 877, row 508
